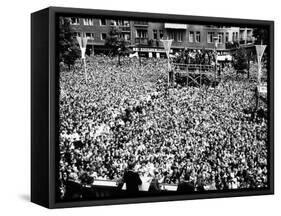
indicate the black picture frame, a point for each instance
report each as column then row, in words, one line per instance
column 44, row 103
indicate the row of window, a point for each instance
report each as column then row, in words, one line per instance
column 92, row 35
column 90, row 22
column 102, row 36
column 196, row 37
column 210, row 37
column 193, row 36
column 176, row 36
column 142, row 33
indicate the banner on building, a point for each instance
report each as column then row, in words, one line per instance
column 82, row 41
column 260, row 50
column 167, row 46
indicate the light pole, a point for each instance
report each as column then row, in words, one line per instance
column 216, row 55
column 139, row 49
column 167, row 46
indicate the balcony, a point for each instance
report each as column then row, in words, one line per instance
column 242, row 41
column 141, row 23
column 250, row 39
column 141, row 41
column 91, row 41
column 125, row 28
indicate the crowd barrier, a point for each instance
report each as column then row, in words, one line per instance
column 143, row 187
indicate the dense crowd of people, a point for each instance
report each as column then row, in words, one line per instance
column 127, row 113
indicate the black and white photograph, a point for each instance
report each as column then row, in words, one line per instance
column 140, row 108
column 152, row 108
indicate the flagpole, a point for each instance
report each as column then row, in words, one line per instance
column 260, row 51
column 83, row 45
column 85, row 70
column 168, row 71
column 167, row 46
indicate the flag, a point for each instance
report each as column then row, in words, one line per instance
column 167, row 46
column 260, row 50
column 82, row 41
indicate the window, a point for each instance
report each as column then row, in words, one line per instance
column 141, row 33
column 210, row 37
column 74, row 21
column 172, row 35
column 179, row 36
column 227, row 37
column 198, row 37
column 88, row 21
column 126, row 23
column 103, row 36
column 125, row 36
column 102, row 22
column 155, row 34
column 234, row 36
column 191, row 37
column 242, row 35
column 176, row 36
column 249, row 33
column 120, row 23
column 117, row 22
column 113, row 23
column 76, row 34
column 161, row 34
column 220, row 37
column 90, row 35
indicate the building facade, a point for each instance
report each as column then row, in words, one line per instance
column 145, row 37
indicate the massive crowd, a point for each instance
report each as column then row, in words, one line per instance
column 127, row 113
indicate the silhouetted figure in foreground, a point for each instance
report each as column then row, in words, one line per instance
column 186, row 185
column 132, row 180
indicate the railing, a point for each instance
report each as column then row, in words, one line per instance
column 141, row 23
column 113, row 184
column 250, row 40
column 143, row 41
column 91, row 41
column 246, row 41
column 193, row 67
column 124, row 28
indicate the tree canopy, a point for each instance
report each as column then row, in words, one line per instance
column 115, row 43
column 261, row 35
column 68, row 48
column 240, row 62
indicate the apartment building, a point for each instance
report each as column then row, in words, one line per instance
column 145, row 37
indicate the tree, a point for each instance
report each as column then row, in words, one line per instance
column 115, row 43
column 231, row 45
column 240, row 62
column 261, row 35
column 68, row 48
